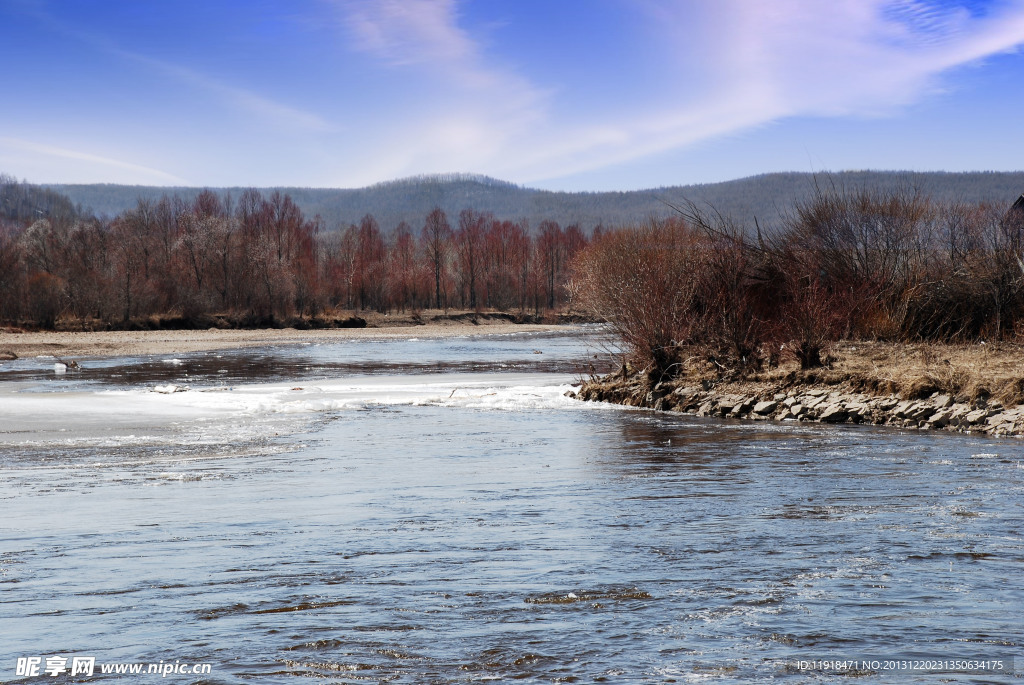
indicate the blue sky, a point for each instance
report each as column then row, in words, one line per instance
column 559, row 94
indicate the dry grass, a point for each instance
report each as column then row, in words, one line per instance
column 967, row 371
column 977, row 374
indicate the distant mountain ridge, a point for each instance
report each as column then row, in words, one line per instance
column 766, row 196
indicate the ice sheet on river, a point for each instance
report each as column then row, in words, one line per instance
column 180, row 414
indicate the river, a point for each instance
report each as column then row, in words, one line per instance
column 438, row 511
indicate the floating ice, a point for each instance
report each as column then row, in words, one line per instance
column 169, row 388
column 167, row 414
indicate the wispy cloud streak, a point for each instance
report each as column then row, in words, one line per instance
column 242, row 99
column 139, row 173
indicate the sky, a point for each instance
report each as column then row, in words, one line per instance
column 574, row 95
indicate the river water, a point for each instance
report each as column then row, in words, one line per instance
column 437, row 511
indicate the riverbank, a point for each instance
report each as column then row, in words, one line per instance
column 975, row 388
column 84, row 344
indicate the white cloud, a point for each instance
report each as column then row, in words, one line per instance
column 789, row 58
column 478, row 110
column 406, row 32
column 760, row 62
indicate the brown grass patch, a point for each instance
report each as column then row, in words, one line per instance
column 967, row 372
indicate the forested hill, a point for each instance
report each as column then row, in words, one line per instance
column 765, row 196
column 24, row 202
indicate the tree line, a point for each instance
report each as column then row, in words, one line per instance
column 696, row 289
column 260, row 260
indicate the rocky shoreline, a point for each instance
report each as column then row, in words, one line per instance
column 811, row 403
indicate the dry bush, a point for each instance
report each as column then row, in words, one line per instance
column 644, row 282
column 737, row 294
column 808, row 312
column 45, row 298
column 994, row 268
column 11, row 274
column 844, row 265
column 811, row 317
column 733, row 300
column 868, row 247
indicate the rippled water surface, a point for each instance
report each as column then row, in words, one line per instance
column 438, row 511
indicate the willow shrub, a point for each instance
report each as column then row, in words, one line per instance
column 645, row 282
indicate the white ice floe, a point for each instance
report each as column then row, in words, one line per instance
column 170, row 388
column 496, row 391
column 167, row 413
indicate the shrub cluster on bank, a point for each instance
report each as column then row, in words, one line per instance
column 891, row 265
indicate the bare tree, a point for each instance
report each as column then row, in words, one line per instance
column 436, row 238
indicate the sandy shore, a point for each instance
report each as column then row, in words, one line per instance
column 135, row 343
